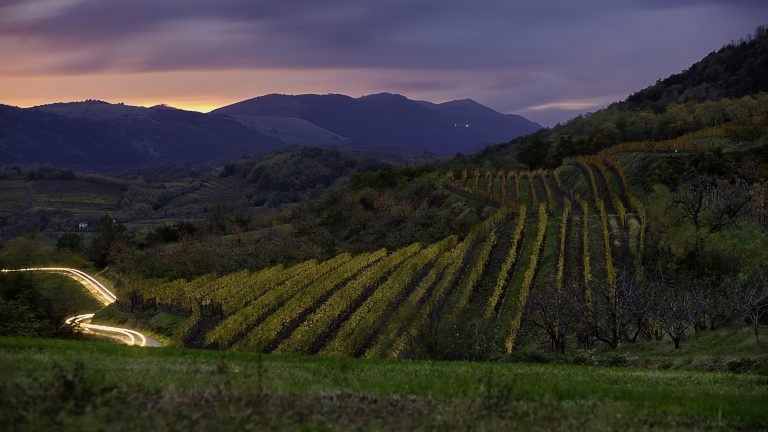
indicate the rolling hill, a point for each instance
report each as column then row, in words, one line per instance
column 96, row 135
column 385, row 119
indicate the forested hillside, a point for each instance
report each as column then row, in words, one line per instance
column 735, row 70
column 727, row 85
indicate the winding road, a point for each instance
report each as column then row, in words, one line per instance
column 103, row 295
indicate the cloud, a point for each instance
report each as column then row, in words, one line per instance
column 567, row 105
column 303, row 33
column 511, row 55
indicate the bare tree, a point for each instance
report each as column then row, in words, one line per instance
column 675, row 311
column 698, row 292
column 709, row 303
column 640, row 311
column 718, row 203
column 691, row 197
column 758, row 208
column 613, row 309
column 750, row 299
column 554, row 311
column 726, row 201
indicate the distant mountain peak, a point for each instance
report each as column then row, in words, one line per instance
column 465, row 104
column 465, row 101
column 383, row 95
column 393, row 120
column 95, row 134
column 163, row 107
column 86, row 102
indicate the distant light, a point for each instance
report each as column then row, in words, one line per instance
column 466, row 125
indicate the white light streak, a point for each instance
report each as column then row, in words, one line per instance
column 103, row 294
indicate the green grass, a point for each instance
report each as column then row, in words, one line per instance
column 730, row 348
column 64, row 292
column 729, row 343
column 119, row 387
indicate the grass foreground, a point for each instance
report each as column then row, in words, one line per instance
column 84, row 385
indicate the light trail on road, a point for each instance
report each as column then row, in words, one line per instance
column 113, row 332
column 96, row 288
column 103, row 295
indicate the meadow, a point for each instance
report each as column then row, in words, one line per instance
column 87, row 385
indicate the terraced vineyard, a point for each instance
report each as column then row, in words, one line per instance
column 15, row 196
column 83, row 199
column 88, row 197
column 510, row 189
column 224, row 192
column 381, row 303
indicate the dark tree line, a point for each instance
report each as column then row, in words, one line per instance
column 648, row 309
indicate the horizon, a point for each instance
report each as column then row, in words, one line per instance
column 548, row 62
column 208, row 110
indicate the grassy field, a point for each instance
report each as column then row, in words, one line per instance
column 67, row 296
column 730, row 348
column 76, row 385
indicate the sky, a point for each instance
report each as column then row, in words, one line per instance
column 547, row 60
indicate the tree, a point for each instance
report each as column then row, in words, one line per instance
column 726, row 201
column 691, row 197
column 534, row 154
column 716, row 203
column 673, row 311
column 69, row 241
column 108, row 234
column 615, row 306
column 554, row 311
column 708, row 303
column 750, row 299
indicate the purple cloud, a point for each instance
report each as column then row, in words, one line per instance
column 517, row 56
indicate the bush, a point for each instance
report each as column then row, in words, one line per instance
column 70, row 241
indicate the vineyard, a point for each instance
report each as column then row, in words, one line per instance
column 210, row 193
column 88, row 197
column 79, row 198
column 387, row 303
column 14, row 196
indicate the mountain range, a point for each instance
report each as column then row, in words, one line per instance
column 386, row 119
column 96, row 135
